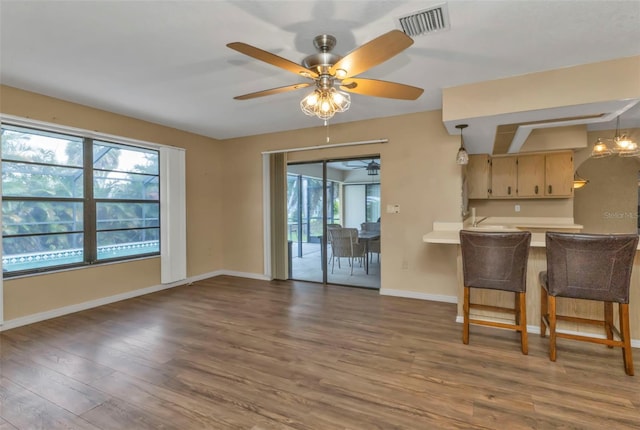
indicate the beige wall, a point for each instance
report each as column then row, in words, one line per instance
column 42, row 293
column 419, row 173
column 609, row 202
column 562, row 208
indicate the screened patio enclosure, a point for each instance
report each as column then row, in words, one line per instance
column 352, row 198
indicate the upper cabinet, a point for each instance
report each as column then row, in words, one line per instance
column 531, row 175
column 504, row 177
column 525, row 176
column 559, row 174
column 478, row 176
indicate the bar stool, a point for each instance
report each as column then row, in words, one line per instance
column 496, row 261
column 592, row 267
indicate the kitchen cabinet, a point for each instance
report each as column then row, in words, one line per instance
column 504, row 177
column 478, row 176
column 524, row 176
column 559, row 174
column 531, row 175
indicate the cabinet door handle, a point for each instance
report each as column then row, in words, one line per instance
column 509, row 190
column 536, row 189
column 550, row 190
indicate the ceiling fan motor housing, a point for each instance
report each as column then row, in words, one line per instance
column 322, row 61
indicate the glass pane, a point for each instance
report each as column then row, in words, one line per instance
column 118, row 185
column 373, row 202
column 111, row 156
column 30, row 180
column 117, row 244
column 34, row 252
column 304, row 205
column 30, row 217
column 127, row 215
column 314, row 208
column 333, row 203
column 293, row 210
column 40, row 147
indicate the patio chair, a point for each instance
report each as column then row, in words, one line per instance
column 373, row 246
column 344, row 243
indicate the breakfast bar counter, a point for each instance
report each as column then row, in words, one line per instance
column 447, row 233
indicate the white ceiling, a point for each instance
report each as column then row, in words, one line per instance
column 167, row 61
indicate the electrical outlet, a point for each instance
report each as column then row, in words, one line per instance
column 393, row 209
column 517, row 208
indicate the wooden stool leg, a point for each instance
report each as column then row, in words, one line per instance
column 465, row 313
column 626, row 338
column 608, row 321
column 544, row 312
column 522, row 306
column 552, row 327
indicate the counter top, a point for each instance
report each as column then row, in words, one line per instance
column 448, row 232
column 452, row 237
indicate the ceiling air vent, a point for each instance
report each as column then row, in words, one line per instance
column 426, row 21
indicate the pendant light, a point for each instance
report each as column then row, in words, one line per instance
column 622, row 145
column 578, row 181
column 463, row 157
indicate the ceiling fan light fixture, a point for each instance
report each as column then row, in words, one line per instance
column 325, row 68
column 325, row 103
column 462, row 158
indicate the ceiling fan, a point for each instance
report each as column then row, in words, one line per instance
column 327, row 69
column 372, row 166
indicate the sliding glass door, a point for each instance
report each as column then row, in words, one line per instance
column 324, row 196
column 305, row 219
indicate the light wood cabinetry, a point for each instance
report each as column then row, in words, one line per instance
column 559, row 174
column 504, row 177
column 478, row 176
column 531, row 175
column 525, row 176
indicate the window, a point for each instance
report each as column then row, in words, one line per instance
column 70, row 201
column 372, row 193
column 304, row 206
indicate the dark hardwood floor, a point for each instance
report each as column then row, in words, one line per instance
column 231, row 353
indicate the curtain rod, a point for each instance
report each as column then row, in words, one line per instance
column 333, row 145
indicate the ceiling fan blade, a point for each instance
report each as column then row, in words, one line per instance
column 272, row 59
column 376, row 88
column 372, row 53
column 272, row 91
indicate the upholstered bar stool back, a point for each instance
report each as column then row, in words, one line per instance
column 591, row 267
column 496, row 261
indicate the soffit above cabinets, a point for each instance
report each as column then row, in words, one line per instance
column 507, row 133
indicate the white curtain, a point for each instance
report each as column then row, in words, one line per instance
column 173, row 215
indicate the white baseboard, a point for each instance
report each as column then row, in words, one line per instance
column 54, row 313
column 419, row 296
column 258, row 276
column 535, row 329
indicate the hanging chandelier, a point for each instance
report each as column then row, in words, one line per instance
column 462, row 158
column 325, row 102
column 622, row 145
